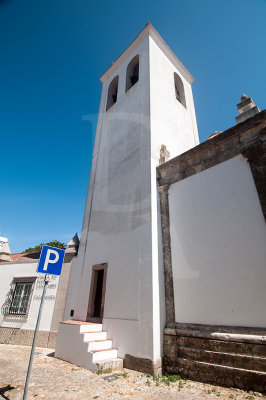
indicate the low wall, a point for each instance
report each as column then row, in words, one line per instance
column 25, row 337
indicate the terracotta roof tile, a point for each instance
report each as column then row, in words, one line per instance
column 24, row 257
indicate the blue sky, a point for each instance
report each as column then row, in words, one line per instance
column 52, row 53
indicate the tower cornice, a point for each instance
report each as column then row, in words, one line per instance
column 148, row 30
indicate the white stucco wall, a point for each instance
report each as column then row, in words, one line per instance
column 172, row 124
column 218, row 237
column 121, row 220
column 8, row 272
column 118, row 213
column 175, row 126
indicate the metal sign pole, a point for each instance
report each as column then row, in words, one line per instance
column 35, row 338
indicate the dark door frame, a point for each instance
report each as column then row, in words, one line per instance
column 95, row 268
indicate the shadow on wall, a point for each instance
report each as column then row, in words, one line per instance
column 122, row 197
column 124, row 162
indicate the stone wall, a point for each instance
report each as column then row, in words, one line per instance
column 228, row 356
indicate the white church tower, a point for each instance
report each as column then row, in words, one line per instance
column 117, row 279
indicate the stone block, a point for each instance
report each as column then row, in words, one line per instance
column 5, row 335
column 143, row 365
column 42, row 339
column 52, row 340
column 21, row 336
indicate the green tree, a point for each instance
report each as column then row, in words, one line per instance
column 54, row 243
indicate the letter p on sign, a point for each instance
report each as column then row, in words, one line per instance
column 51, row 260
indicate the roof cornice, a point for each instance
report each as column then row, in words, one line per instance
column 148, row 30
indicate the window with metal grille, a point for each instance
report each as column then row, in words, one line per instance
column 20, row 298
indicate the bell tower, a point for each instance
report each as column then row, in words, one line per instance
column 146, row 115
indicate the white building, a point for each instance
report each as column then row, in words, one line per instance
column 21, row 289
column 182, row 264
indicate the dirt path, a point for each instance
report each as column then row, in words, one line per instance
column 53, row 379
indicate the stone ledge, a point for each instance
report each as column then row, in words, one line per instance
column 220, row 346
column 222, row 328
column 219, row 335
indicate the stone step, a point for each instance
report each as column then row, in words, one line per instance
column 99, row 345
column 86, row 345
column 226, row 359
column 221, row 375
column 232, row 347
column 91, row 328
column 91, row 336
column 114, row 364
column 100, row 355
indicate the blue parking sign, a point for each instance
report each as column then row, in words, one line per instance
column 51, row 260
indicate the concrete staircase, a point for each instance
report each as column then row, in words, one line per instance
column 86, row 345
column 229, row 359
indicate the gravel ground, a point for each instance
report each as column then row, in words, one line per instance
column 53, row 379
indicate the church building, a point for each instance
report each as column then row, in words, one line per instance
column 170, row 273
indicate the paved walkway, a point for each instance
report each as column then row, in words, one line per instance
column 53, row 379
